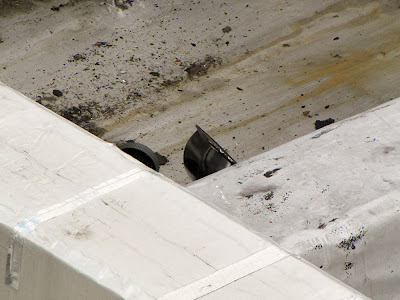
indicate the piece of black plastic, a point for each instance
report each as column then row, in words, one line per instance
column 142, row 153
column 204, row 156
column 319, row 124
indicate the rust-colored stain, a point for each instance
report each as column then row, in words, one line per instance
column 351, row 67
column 354, row 65
column 356, row 68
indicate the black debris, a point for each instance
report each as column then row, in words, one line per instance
column 269, row 195
column 240, row 89
column 122, row 4
column 57, row 8
column 349, row 244
column 326, row 107
column 286, row 45
column 271, row 173
column 336, row 38
column 103, row 44
column 57, row 93
column 348, row 265
column 319, row 124
column 156, row 74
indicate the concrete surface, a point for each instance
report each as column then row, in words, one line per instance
column 273, row 67
column 80, row 219
column 332, row 197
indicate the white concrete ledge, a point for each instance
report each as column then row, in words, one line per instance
column 331, row 197
column 78, row 223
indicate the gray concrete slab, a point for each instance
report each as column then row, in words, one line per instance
column 274, row 67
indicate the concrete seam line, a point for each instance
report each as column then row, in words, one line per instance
column 29, row 224
column 229, row 274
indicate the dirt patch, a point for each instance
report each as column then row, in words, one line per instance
column 83, row 116
column 171, row 82
column 201, row 68
column 133, row 96
column 349, row 244
column 269, row 195
column 123, row 4
column 77, row 57
column 9, row 7
column 227, row 29
column 271, row 207
column 307, row 114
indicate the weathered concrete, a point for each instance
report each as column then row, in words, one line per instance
column 293, row 64
column 332, row 197
column 79, row 219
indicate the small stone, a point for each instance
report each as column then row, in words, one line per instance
column 319, row 124
column 57, row 93
column 156, row 74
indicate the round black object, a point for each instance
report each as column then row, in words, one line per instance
column 142, row 153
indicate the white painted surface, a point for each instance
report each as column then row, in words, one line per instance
column 125, row 236
column 332, row 197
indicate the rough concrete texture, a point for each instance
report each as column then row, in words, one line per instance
column 331, row 196
column 252, row 74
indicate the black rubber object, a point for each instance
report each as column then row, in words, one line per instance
column 142, row 153
column 204, row 156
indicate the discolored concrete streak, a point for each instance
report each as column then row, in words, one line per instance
column 273, row 75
